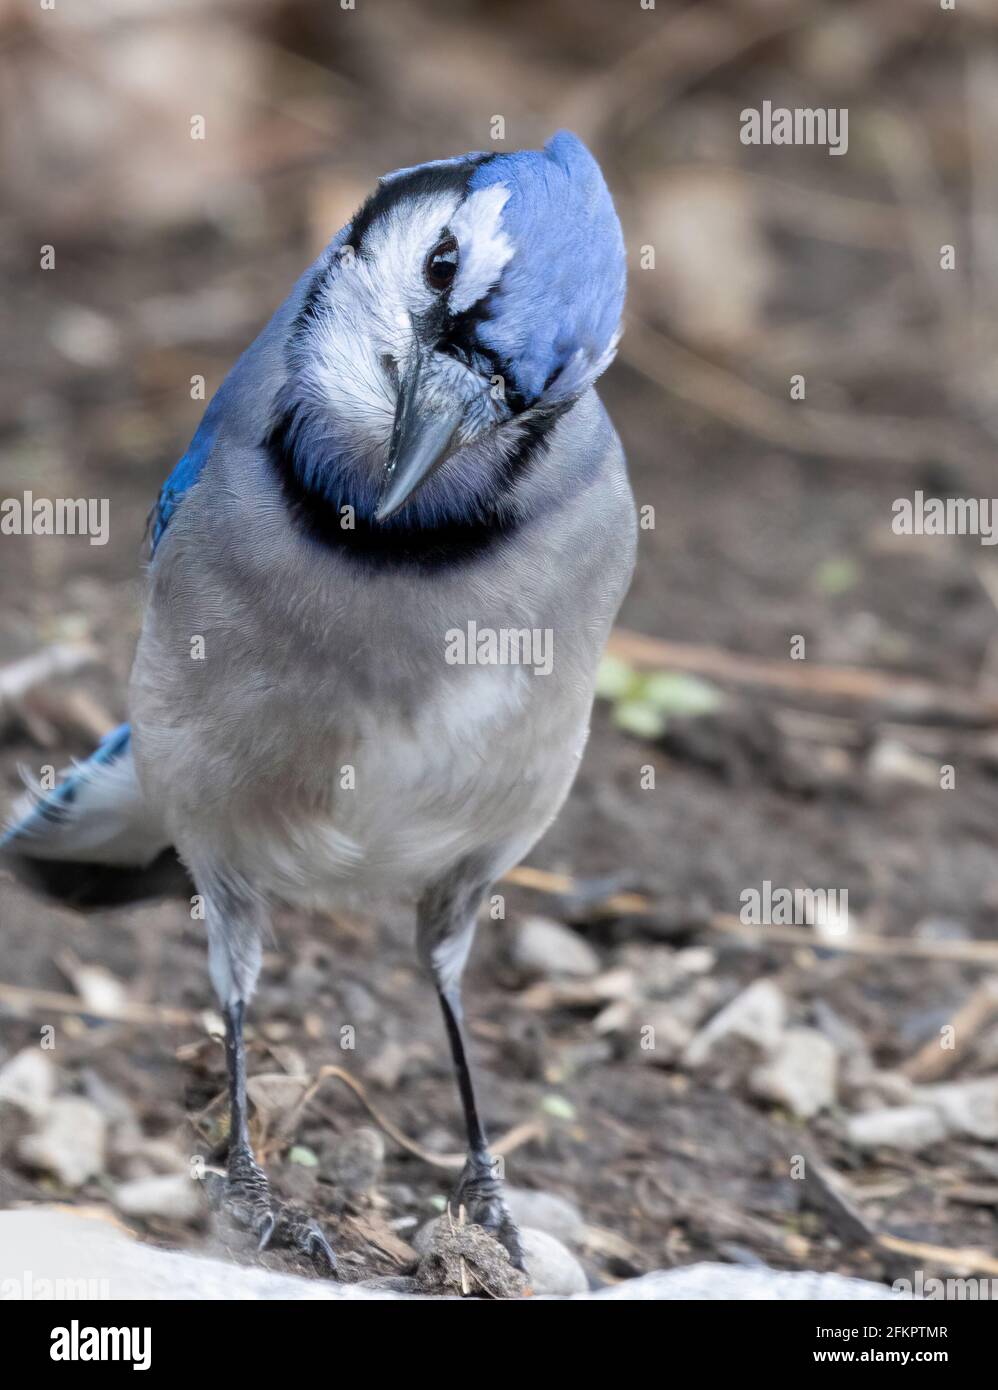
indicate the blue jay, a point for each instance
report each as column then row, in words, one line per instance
column 404, row 486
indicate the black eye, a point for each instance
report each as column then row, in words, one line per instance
column 441, row 265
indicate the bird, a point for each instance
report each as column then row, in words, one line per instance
column 380, row 583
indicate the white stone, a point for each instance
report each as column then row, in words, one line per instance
column 175, row 1196
column 756, row 1017
column 908, row 1127
column 545, row 1211
column 69, row 1141
column 542, row 948
column 801, row 1074
column 28, row 1081
column 966, row 1107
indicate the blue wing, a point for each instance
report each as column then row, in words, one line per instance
column 55, row 807
column 182, row 479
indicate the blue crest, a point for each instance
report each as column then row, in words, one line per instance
column 563, row 290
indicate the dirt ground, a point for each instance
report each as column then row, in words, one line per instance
column 763, row 532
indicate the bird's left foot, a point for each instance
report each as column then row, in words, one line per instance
column 245, row 1197
column 479, row 1191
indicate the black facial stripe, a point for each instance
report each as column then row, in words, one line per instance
column 424, row 182
column 460, row 338
column 400, row 545
column 307, row 310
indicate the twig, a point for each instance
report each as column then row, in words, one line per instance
column 899, row 693
column 966, row 1258
column 513, row 1139
column 933, row 1061
column 983, row 953
column 41, row 1001
column 61, row 659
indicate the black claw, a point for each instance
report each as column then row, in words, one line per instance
column 246, row 1198
column 318, row 1246
column 479, row 1191
column 265, row 1230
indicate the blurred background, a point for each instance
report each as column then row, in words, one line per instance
column 718, row 761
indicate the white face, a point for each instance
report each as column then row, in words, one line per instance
column 363, row 336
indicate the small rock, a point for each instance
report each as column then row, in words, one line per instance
column 100, row 991
column 545, row 1211
column 695, row 1001
column 696, row 960
column 136, row 1156
column 387, row 1067
column 28, row 1081
column 878, row 1088
column 966, row 1107
column 69, row 1142
column 751, row 1023
column 84, row 337
column 542, row 948
column 175, row 1196
column 354, row 1163
column 551, row 1269
column 802, row 1073
column 890, row 760
column 661, row 970
column 659, row 1037
column 908, row 1127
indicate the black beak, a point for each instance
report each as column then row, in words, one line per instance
column 421, row 440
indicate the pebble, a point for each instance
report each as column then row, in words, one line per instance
column 353, row 1163
column 551, row 1268
column 659, row 1037
column 893, row 761
column 542, row 948
column 28, row 1081
column 69, row 1141
column 908, row 1127
column 801, row 1074
column 754, row 1017
column 175, row 1196
column 546, row 1211
column 966, row 1107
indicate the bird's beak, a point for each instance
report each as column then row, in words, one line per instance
column 421, row 439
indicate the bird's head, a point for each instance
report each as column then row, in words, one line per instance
column 468, row 301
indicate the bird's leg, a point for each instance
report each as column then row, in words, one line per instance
column 479, row 1188
column 247, row 1196
column 445, row 929
column 234, row 956
column 247, row 1190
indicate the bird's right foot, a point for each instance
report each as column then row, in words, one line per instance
column 246, row 1199
column 479, row 1191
